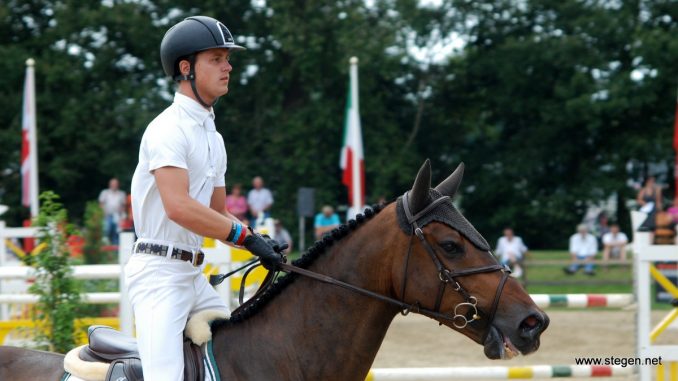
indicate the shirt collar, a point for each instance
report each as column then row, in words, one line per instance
column 196, row 111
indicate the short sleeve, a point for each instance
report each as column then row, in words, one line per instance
column 607, row 238
column 165, row 146
column 335, row 220
column 316, row 222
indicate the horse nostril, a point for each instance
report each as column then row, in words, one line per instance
column 532, row 326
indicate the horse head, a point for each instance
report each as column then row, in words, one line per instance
column 450, row 274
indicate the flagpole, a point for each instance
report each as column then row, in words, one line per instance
column 33, row 136
column 675, row 147
column 356, row 203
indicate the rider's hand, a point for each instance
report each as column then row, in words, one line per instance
column 259, row 247
column 278, row 247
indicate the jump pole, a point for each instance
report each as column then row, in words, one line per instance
column 498, row 372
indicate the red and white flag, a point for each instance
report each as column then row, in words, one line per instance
column 352, row 158
column 29, row 151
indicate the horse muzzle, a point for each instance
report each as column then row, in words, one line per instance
column 502, row 344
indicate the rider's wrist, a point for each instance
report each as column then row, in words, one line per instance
column 237, row 234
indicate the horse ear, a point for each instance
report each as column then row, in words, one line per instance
column 419, row 192
column 450, row 185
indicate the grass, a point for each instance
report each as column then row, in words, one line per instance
column 551, row 279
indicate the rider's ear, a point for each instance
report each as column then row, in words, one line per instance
column 418, row 195
column 450, row 185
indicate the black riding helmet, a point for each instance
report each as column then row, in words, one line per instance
column 193, row 35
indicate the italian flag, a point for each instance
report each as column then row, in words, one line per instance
column 352, row 159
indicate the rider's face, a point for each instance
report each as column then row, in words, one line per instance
column 213, row 71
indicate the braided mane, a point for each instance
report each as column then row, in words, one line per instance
column 252, row 307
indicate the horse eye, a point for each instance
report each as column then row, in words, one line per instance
column 451, row 247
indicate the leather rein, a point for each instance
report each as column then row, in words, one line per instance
column 446, row 276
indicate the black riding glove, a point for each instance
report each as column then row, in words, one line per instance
column 259, row 247
column 278, row 247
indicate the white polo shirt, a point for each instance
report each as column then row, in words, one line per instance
column 583, row 246
column 515, row 246
column 615, row 239
column 182, row 136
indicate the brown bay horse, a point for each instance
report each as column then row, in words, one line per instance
column 417, row 255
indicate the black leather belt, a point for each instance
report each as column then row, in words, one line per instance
column 196, row 258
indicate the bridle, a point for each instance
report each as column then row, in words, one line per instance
column 446, row 276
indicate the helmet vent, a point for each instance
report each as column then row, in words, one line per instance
column 226, row 36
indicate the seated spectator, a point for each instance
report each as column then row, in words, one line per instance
column 583, row 249
column 282, row 235
column 259, row 200
column 236, row 203
column 325, row 221
column 511, row 249
column 614, row 243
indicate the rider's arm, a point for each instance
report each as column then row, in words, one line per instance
column 181, row 208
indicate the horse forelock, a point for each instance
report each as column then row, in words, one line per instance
column 445, row 213
column 252, row 307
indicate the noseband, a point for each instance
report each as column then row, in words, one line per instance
column 446, row 276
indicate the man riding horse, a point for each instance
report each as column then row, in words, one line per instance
column 178, row 197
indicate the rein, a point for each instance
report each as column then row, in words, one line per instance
column 446, row 276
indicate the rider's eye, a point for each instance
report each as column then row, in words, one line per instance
column 451, row 247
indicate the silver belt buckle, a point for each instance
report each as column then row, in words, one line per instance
column 194, row 259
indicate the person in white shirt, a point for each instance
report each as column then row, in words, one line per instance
column 178, row 197
column 614, row 243
column 112, row 203
column 583, row 249
column 259, row 200
column 511, row 250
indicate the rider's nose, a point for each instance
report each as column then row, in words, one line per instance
column 533, row 325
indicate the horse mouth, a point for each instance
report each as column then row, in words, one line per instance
column 499, row 346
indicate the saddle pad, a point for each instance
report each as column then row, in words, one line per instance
column 211, row 370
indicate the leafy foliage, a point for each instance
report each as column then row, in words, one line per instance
column 59, row 294
column 93, row 233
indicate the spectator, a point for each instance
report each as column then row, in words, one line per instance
column 649, row 200
column 511, row 249
column 583, row 249
column 325, row 221
column 282, row 235
column 259, row 200
column 112, row 201
column 673, row 211
column 614, row 243
column 236, row 203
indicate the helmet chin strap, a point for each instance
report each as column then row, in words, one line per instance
column 191, row 78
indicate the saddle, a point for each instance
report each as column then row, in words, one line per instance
column 113, row 356
column 106, row 345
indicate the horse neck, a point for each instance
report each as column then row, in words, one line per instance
column 321, row 331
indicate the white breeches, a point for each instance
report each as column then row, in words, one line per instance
column 164, row 293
